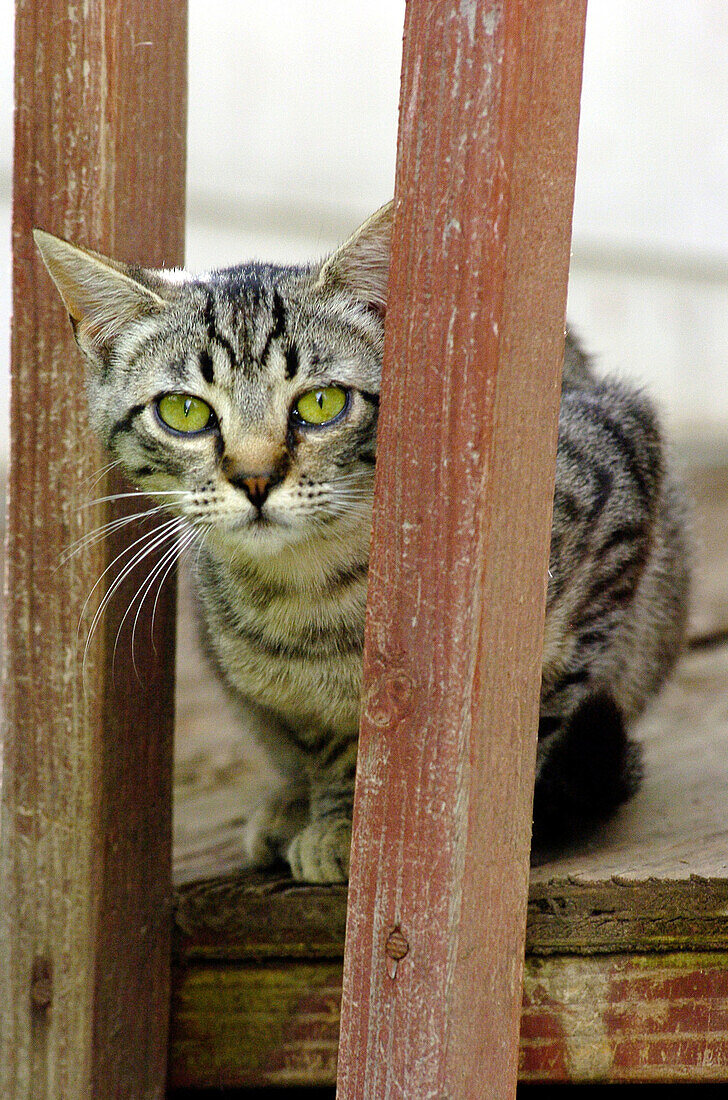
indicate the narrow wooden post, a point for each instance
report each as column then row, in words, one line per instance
column 86, row 795
column 487, row 148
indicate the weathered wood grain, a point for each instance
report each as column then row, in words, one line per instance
column 248, row 917
column 609, row 1018
column 258, row 916
column 708, row 489
column 255, row 1025
column 487, row 147
column 626, row 1018
column 619, row 916
column 85, row 877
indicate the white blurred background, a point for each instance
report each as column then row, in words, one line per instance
column 292, row 131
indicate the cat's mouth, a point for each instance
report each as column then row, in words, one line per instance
column 261, row 520
column 258, row 534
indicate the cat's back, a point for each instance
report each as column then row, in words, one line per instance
column 620, row 551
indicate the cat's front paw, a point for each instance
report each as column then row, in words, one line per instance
column 320, row 852
column 268, row 831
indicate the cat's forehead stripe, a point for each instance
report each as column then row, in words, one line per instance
column 213, row 332
column 291, row 361
column 207, row 369
column 277, row 330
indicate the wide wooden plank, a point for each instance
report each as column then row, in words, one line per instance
column 610, row 1018
column 85, row 877
column 626, row 1018
column 251, row 917
column 255, row 1025
column 437, row 898
column 256, row 916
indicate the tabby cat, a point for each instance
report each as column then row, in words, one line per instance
column 246, row 401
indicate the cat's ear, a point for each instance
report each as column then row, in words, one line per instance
column 101, row 295
column 361, row 265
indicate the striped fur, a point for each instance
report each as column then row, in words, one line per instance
column 282, row 584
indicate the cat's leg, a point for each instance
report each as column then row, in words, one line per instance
column 283, row 808
column 272, row 826
column 588, row 767
column 320, row 852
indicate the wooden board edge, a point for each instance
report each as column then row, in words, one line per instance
column 258, row 917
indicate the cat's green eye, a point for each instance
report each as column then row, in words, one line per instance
column 321, row 406
column 184, row 413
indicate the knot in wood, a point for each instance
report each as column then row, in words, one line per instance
column 389, row 698
column 41, row 983
column 41, row 993
column 396, row 946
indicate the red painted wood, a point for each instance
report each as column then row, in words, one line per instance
column 620, row 1019
column 85, row 894
column 488, row 128
column 651, row 1018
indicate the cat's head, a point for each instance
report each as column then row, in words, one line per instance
column 248, row 395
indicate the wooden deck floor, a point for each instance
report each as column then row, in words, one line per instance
column 627, row 944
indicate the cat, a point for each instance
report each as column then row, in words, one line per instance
column 247, row 400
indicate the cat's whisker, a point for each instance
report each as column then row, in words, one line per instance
column 349, row 494
column 148, row 537
column 101, row 473
column 355, row 475
column 205, row 533
column 163, row 566
column 99, row 533
column 137, row 494
column 183, row 547
column 140, row 595
column 168, row 492
column 117, row 582
column 341, row 506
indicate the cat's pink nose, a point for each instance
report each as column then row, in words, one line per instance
column 256, row 486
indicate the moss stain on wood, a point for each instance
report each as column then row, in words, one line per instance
column 276, row 1023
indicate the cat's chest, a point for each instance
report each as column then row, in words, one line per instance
column 296, row 653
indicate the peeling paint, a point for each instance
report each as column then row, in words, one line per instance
column 469, row 12
column 491, row 18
